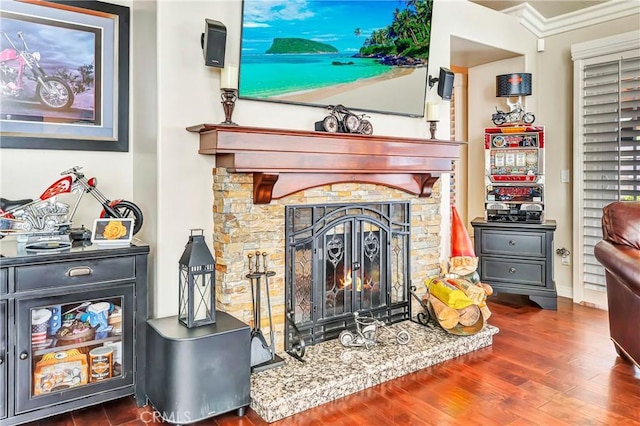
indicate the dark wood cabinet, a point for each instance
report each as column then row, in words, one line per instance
column 517, row 258
column 3, row 359
column 73, row 329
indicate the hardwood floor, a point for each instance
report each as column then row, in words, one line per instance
column 544, row 368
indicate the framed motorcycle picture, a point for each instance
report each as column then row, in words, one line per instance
column 65, row 75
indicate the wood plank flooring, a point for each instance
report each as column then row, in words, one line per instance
column 544, row 368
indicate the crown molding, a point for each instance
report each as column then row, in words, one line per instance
column 606, row 45
column 543, row 27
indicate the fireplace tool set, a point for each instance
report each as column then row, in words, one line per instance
column 263, row 355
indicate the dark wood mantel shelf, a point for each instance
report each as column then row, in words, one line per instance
column 288, row 161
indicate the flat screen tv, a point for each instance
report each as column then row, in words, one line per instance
column 365, row 55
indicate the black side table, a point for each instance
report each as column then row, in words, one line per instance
column 197, row 373
column 517, row 257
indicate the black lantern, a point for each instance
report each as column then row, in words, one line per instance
column 197, row 298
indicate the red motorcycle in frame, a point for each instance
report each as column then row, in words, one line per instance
column 52, row 92
column 47, row 215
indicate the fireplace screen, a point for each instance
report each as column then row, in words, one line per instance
column 343, row 258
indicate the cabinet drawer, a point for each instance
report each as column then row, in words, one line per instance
column 3, row 281
column 74, row 273
column 513, row 243
column 514, row 272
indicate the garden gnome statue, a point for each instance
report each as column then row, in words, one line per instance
column 463, row 260
column 464, row 263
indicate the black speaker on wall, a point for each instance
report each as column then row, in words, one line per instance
column 213, row 42
column 445, row 83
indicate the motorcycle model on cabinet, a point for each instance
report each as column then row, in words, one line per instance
column 47, row 215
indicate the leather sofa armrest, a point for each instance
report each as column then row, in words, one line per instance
column 622, row 261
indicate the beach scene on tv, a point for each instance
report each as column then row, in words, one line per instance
column 365, row 55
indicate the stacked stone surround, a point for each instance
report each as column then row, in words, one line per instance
column 241, row 227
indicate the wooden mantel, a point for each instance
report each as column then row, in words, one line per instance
column 288, row 161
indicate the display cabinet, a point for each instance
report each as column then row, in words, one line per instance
column 75, row 329
column 3, row 358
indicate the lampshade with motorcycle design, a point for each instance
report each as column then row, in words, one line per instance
column 517, row 84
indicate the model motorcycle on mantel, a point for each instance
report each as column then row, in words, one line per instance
column 52, row 92
column 47, row 215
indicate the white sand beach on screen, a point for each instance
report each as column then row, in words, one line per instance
column 365, row 92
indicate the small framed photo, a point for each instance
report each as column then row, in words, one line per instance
column 112, row 231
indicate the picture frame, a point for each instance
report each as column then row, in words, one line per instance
column 82, row 46
column 112, row 231
column 367, row 55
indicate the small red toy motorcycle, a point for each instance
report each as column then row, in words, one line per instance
column 46, row 215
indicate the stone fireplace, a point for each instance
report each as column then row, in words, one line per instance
column 265, row 178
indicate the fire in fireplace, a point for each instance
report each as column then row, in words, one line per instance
column 343, row 258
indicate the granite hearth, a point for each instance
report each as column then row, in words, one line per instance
column 332, row 371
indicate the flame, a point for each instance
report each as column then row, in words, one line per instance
column 348, row 281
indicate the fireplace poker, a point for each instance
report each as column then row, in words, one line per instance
column 268, row 274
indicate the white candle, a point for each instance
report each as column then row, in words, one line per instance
column 229, row 77
column 433, row 111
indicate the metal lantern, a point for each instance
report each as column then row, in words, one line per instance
column 197, row 280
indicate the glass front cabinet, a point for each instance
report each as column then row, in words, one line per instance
column 3, row 359
column 72, row 325
column 70, row 345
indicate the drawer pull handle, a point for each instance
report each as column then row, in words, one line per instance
column 512, row 243
column 512, row 270
column 81, row 270
column 24, row 355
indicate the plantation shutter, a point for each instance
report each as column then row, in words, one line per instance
column 609, row 148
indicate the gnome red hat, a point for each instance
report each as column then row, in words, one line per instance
column 463, row 258
column 460, row 241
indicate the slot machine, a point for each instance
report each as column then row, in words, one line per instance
column 514, row 174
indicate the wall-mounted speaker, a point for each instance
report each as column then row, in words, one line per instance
column 213, row 42
column 445, row 83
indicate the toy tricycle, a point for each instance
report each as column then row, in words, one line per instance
column 366, row 331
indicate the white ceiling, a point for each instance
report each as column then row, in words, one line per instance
column 468, row 54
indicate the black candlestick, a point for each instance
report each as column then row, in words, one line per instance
column 433, row 126
column 229, row 97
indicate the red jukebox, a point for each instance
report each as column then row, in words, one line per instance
column 514, row 174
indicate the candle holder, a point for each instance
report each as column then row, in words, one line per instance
column 229, row 97
column 433, row 126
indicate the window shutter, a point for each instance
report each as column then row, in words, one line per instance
column 610, row 135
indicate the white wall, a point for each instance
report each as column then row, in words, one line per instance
column 163, row 171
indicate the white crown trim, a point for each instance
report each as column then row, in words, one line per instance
column 542, row 27
column 606, row 45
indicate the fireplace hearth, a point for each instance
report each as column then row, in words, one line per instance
column 341, row 259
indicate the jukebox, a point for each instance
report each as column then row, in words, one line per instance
column 514, row 174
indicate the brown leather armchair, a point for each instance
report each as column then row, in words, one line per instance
column 619, row 253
